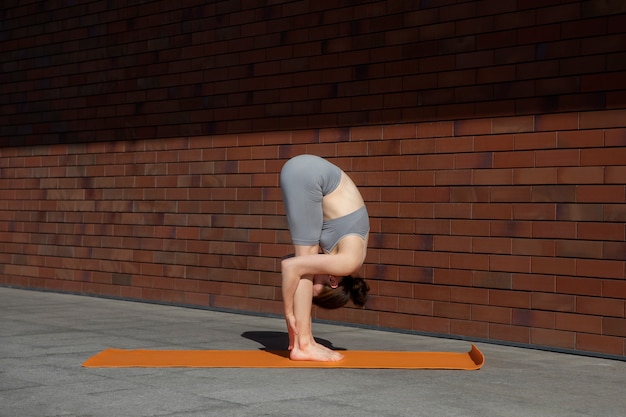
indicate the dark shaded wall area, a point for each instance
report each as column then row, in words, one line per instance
column 140, row 145
column 111, row 70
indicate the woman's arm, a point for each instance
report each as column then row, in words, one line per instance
column 304, row 265
column 297, row 289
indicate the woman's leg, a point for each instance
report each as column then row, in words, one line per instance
column 302, row 196
column 302, row 344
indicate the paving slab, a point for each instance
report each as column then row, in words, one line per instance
column 45, row 337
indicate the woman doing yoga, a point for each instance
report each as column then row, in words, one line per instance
column 324, row 209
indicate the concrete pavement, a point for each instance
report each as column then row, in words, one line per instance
column 45, row 337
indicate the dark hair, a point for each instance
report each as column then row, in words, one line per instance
column 349, row 288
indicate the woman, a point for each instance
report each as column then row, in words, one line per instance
column 324, row 209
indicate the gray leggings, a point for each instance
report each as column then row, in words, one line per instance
column 304, row 181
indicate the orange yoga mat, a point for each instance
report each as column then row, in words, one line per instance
column 120, row 358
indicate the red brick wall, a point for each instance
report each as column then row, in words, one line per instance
column 102, row 70
column 498, row 228
column 140, row 148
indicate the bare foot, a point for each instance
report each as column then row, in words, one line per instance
column 324, row 347
column 315, row 352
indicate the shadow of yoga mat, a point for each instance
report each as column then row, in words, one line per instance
column 121, row 358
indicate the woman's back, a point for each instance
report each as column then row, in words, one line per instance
column 344, row 200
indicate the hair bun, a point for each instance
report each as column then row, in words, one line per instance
column 358, row 290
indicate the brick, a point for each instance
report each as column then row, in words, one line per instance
column 492, row 176
column 556, row 266
column 586, row 64
column 602, row 119
column 580, row 212
column 469, row 295
column 598, row 193
column 580, row 286
column 396, row 289
column 578, row 323
column 491, row 245
column 601, row 231
column 455, row 210
column 614, row 174
column 431, row 324
column 580, row 175
column 509, row 264
column 614, row 213
column 533, row 318
column 606, row 156
column 534, row 247
column 469, row 194
column 557, row 122
column 538, row 69
column 452, row 277
column 534, row 211
column 579, row 102
column 456, row 78
column 416, row 210
column 559, row 157
column 384, row 304
column 599, row 343
column 542, row 140
column 553, row 193
column 475, row 59
column 457, row 11
column 614, row 250
column 510, row 194
column 554, row 338
column 435, row 64
column 612, row 326
column 453, row 177
column 451, row 310
column 600, row 306
column 452, row 243
column 473, row 127
column 559, row 13
column 435, row 226
column 427, row 259
column 475, row 25
column 405, row 131
column 578, row 249
column 494, row 143
column 467, row 261
column 499, row 106
column 469, row 328
column 600, row 268
column 615, row 62
column 493, row 211
column 499, row 74
column 436, row 97
column 534, row 282
column 397, row 321
column 473, row 160
column 517, row 159
column 505, row 298
column 489, row 279
column 517, row 334
column 559, row 85
column 431, row 292
column 360, row 316
column 436, row 31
